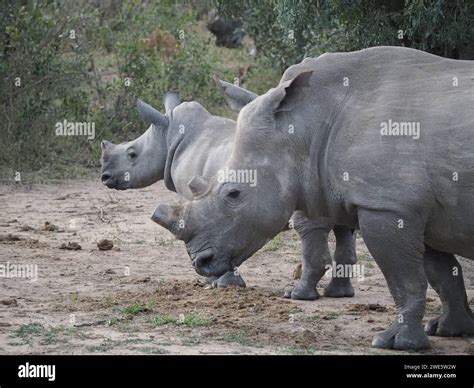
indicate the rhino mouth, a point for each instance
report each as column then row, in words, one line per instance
column 206, row 263
column 112, row 183
column 109, row 180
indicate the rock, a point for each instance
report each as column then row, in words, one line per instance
column 105, row 245
column 48, row 226
column 9, row 302
column 71, row 246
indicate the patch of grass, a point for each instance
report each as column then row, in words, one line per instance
column 330, row 315
column 30, row 330
column 434, row 310
column 166, row 242
column 295, row 309
column 273, row 245
column 163, row 319
column 312, row 318
column 319, row 317
column 135, row 309
column 196, row 319
column 362, row 256
column 151, row 350
column 133, row 341
column 193, row 319
column 114, row 321
column 369, row 264
column 299, row 351
column 47, row 336
column 103, row 347
column 242, row 337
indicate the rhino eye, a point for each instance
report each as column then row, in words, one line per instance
column 234, row 193
column 132, row 155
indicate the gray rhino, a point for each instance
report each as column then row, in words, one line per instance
column 189, row 141
column 383, row 142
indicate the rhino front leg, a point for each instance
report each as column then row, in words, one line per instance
column 396, row 243
column 444, row 274
column 316, row 256
column 345, row 254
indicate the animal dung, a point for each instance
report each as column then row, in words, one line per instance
column 71, row 246
column 105, row 245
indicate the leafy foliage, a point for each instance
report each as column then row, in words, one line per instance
column 85, row 61
column 286, row 31
column 89, row 63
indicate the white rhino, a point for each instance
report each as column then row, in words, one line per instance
column 382, row 141
column 189, row 141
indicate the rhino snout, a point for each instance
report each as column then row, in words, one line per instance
column 202, row 262
column 108, row 179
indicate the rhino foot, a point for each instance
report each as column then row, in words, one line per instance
column 302, row 293
column 402, row 337
column 451, row 325
column 339, row 288
column 229, row 279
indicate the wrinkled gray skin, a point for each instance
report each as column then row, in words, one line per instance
column 186, row 141
column 162, row 152
column 411, row 199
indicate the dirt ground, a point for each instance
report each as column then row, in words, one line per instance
column 143, row 297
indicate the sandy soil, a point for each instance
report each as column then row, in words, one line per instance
column 143, row 297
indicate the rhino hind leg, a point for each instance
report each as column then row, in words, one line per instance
column 229, row 279
column 444, row 274
column 398, row 251
column 316, row 256
column 345, row 254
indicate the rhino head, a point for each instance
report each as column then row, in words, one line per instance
column 140, row 162
column 233, row 215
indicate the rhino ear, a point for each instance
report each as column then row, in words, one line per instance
column 104, row 144
column 235, row 96
column 285, row 97
column 171, row 101
column 198, row 185
column 151, row 115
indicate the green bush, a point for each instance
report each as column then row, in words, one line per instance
column 286, row 31
column 94, row 77
column 41, row 79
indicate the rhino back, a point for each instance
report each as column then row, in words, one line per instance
column 363, row 168
column 204, row 149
